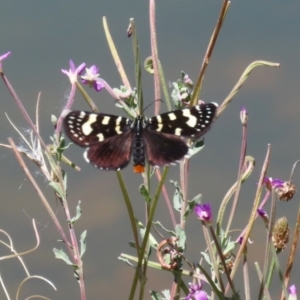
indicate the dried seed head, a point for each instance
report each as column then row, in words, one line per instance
column 286, row 192
column 280, row 235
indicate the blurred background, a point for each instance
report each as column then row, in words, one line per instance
column 44, row 35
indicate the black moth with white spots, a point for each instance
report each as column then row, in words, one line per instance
column 111, row 141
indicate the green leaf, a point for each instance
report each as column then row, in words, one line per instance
column 191, row 204
column 177, row 200
column 64, row 174
column 144, row 193
column 78, row 213
column 152, row 241
column 156, row 296
column 197, row 199
column 206, row 257
column 181, row 236
column 83, row 243
column 178, row 197
column 60, row 254
column 57, row 187
column 165, row 229
column 227, row 245
column 60, row 148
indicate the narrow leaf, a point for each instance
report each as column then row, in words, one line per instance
column 78, row 213
column 181, row 236
column 165, row 229
column 60, row 254
column 83, row 243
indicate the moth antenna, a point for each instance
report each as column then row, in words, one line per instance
column 151, row 104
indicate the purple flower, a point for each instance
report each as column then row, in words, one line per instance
column 91, row 77
column 277, row 183
column 244, row 115
column 262, row 212
column 73, row 71
column 293, row 290
column 3, row 57
column 196, row 293
column 273, row 183
column 203, row 212
column 240, row 239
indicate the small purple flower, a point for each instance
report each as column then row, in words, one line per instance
column 244, row 115
column 277, row 183
column 196, row 293
column 3, row 57
column 91, row 77
column 293, row 290
column 262, row 212
column 240, row 239
column 273, row 183
column 203, row 212
column 73, row 71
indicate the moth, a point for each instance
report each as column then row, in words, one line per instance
column 112, row 141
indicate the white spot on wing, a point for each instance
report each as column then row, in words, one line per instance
column 82, row 114
column 118, row 131
column 192, row 121
column 100, row 137
column 159, row 127
column 158, row 118
column 86, row 127
column 172, row 116
column 178, row 131
column 118, row 121
column 105, row 120
column 118, row 127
